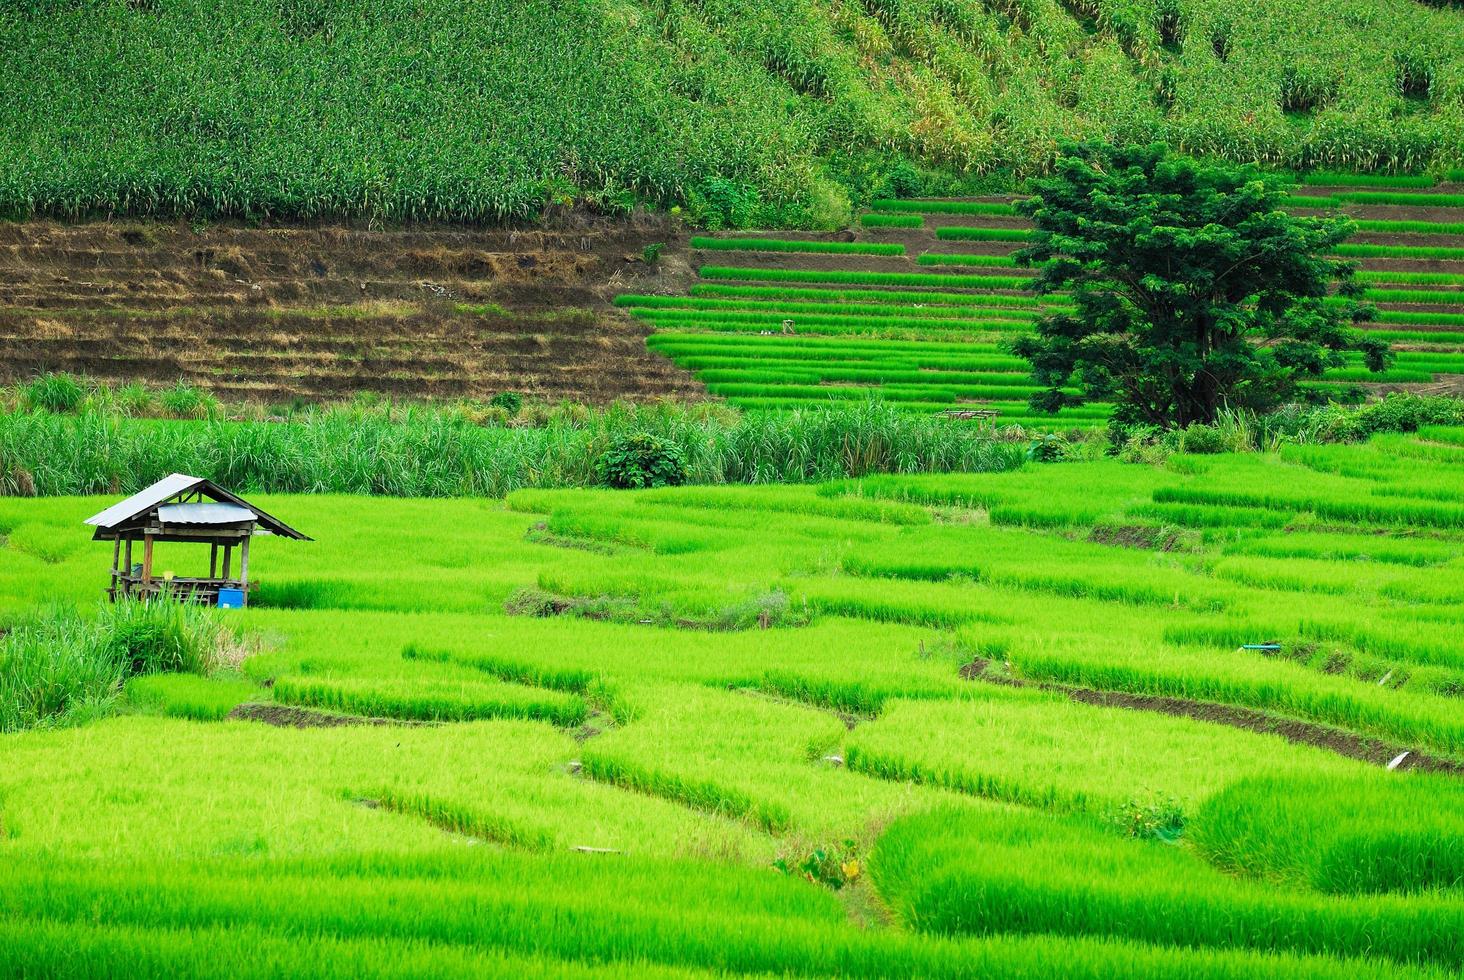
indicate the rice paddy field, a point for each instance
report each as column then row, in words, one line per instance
column 920, row 301
column 1084, row 719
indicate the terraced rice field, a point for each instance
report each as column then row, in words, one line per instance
column 321, row 313
column 917, row 303
column 1082, row 719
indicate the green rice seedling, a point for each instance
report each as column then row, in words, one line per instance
column 1403, row 199
column 1438, row 319
column 188, row 695
column 1355, row 250
column 785, row 245
column 1039, row 749
column 1449, row 435
column 638, row 304
column 1330, row 178
column 995, row 320
column 1339, row 834
column 1413, row 227
column 975, row 871
column 891, row 220
column 950, row 281
column 925, row 297
column 1412, row 278
column 621, row 928
column 1397, row 375
column 961, row 233
column 943, row 207
column 935, row 258
column 1311, row 201
column 1417, row 551
column 424, row 700
column 1414, row 296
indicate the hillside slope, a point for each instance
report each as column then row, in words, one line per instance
column 746, row 111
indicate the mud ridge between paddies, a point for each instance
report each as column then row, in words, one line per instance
column 318, row 312
column 289, row 716
column 1336, row 740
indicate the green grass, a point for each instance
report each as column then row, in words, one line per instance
column 784, row 245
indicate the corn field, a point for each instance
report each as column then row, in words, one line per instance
column 773, row 112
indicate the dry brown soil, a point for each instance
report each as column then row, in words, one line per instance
column 275, row 313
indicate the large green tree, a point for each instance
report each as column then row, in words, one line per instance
column 1192, row 289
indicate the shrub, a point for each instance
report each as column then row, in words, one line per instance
column 53, row 392
column 652, row 253
column 905, row 181
column 721, row 203
column 641, row 460
column 1205, row 439
column 509, row 401
column 1050, row 448
column 834, row 865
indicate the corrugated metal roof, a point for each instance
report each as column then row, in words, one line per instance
column 204, row 514
column 171, row 486
column 145, row 500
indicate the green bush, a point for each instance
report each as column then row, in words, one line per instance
column 641, row 460
column 1204, row 439
column 509, row 401
column 53, row 392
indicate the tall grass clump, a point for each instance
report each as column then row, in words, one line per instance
column 57, row 666
column 426, row 452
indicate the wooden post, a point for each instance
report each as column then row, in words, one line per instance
column 127, row 559
column 147, row 542
column 116, row 558
column 244, row 571
column 228, row 555
column 213, row 559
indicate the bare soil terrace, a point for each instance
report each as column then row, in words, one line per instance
column 274, row 313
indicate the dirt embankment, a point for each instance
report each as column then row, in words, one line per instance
column 274, row 313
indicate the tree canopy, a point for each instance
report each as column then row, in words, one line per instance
column 1192, row 289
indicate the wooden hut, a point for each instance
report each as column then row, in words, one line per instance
column 184, row 508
